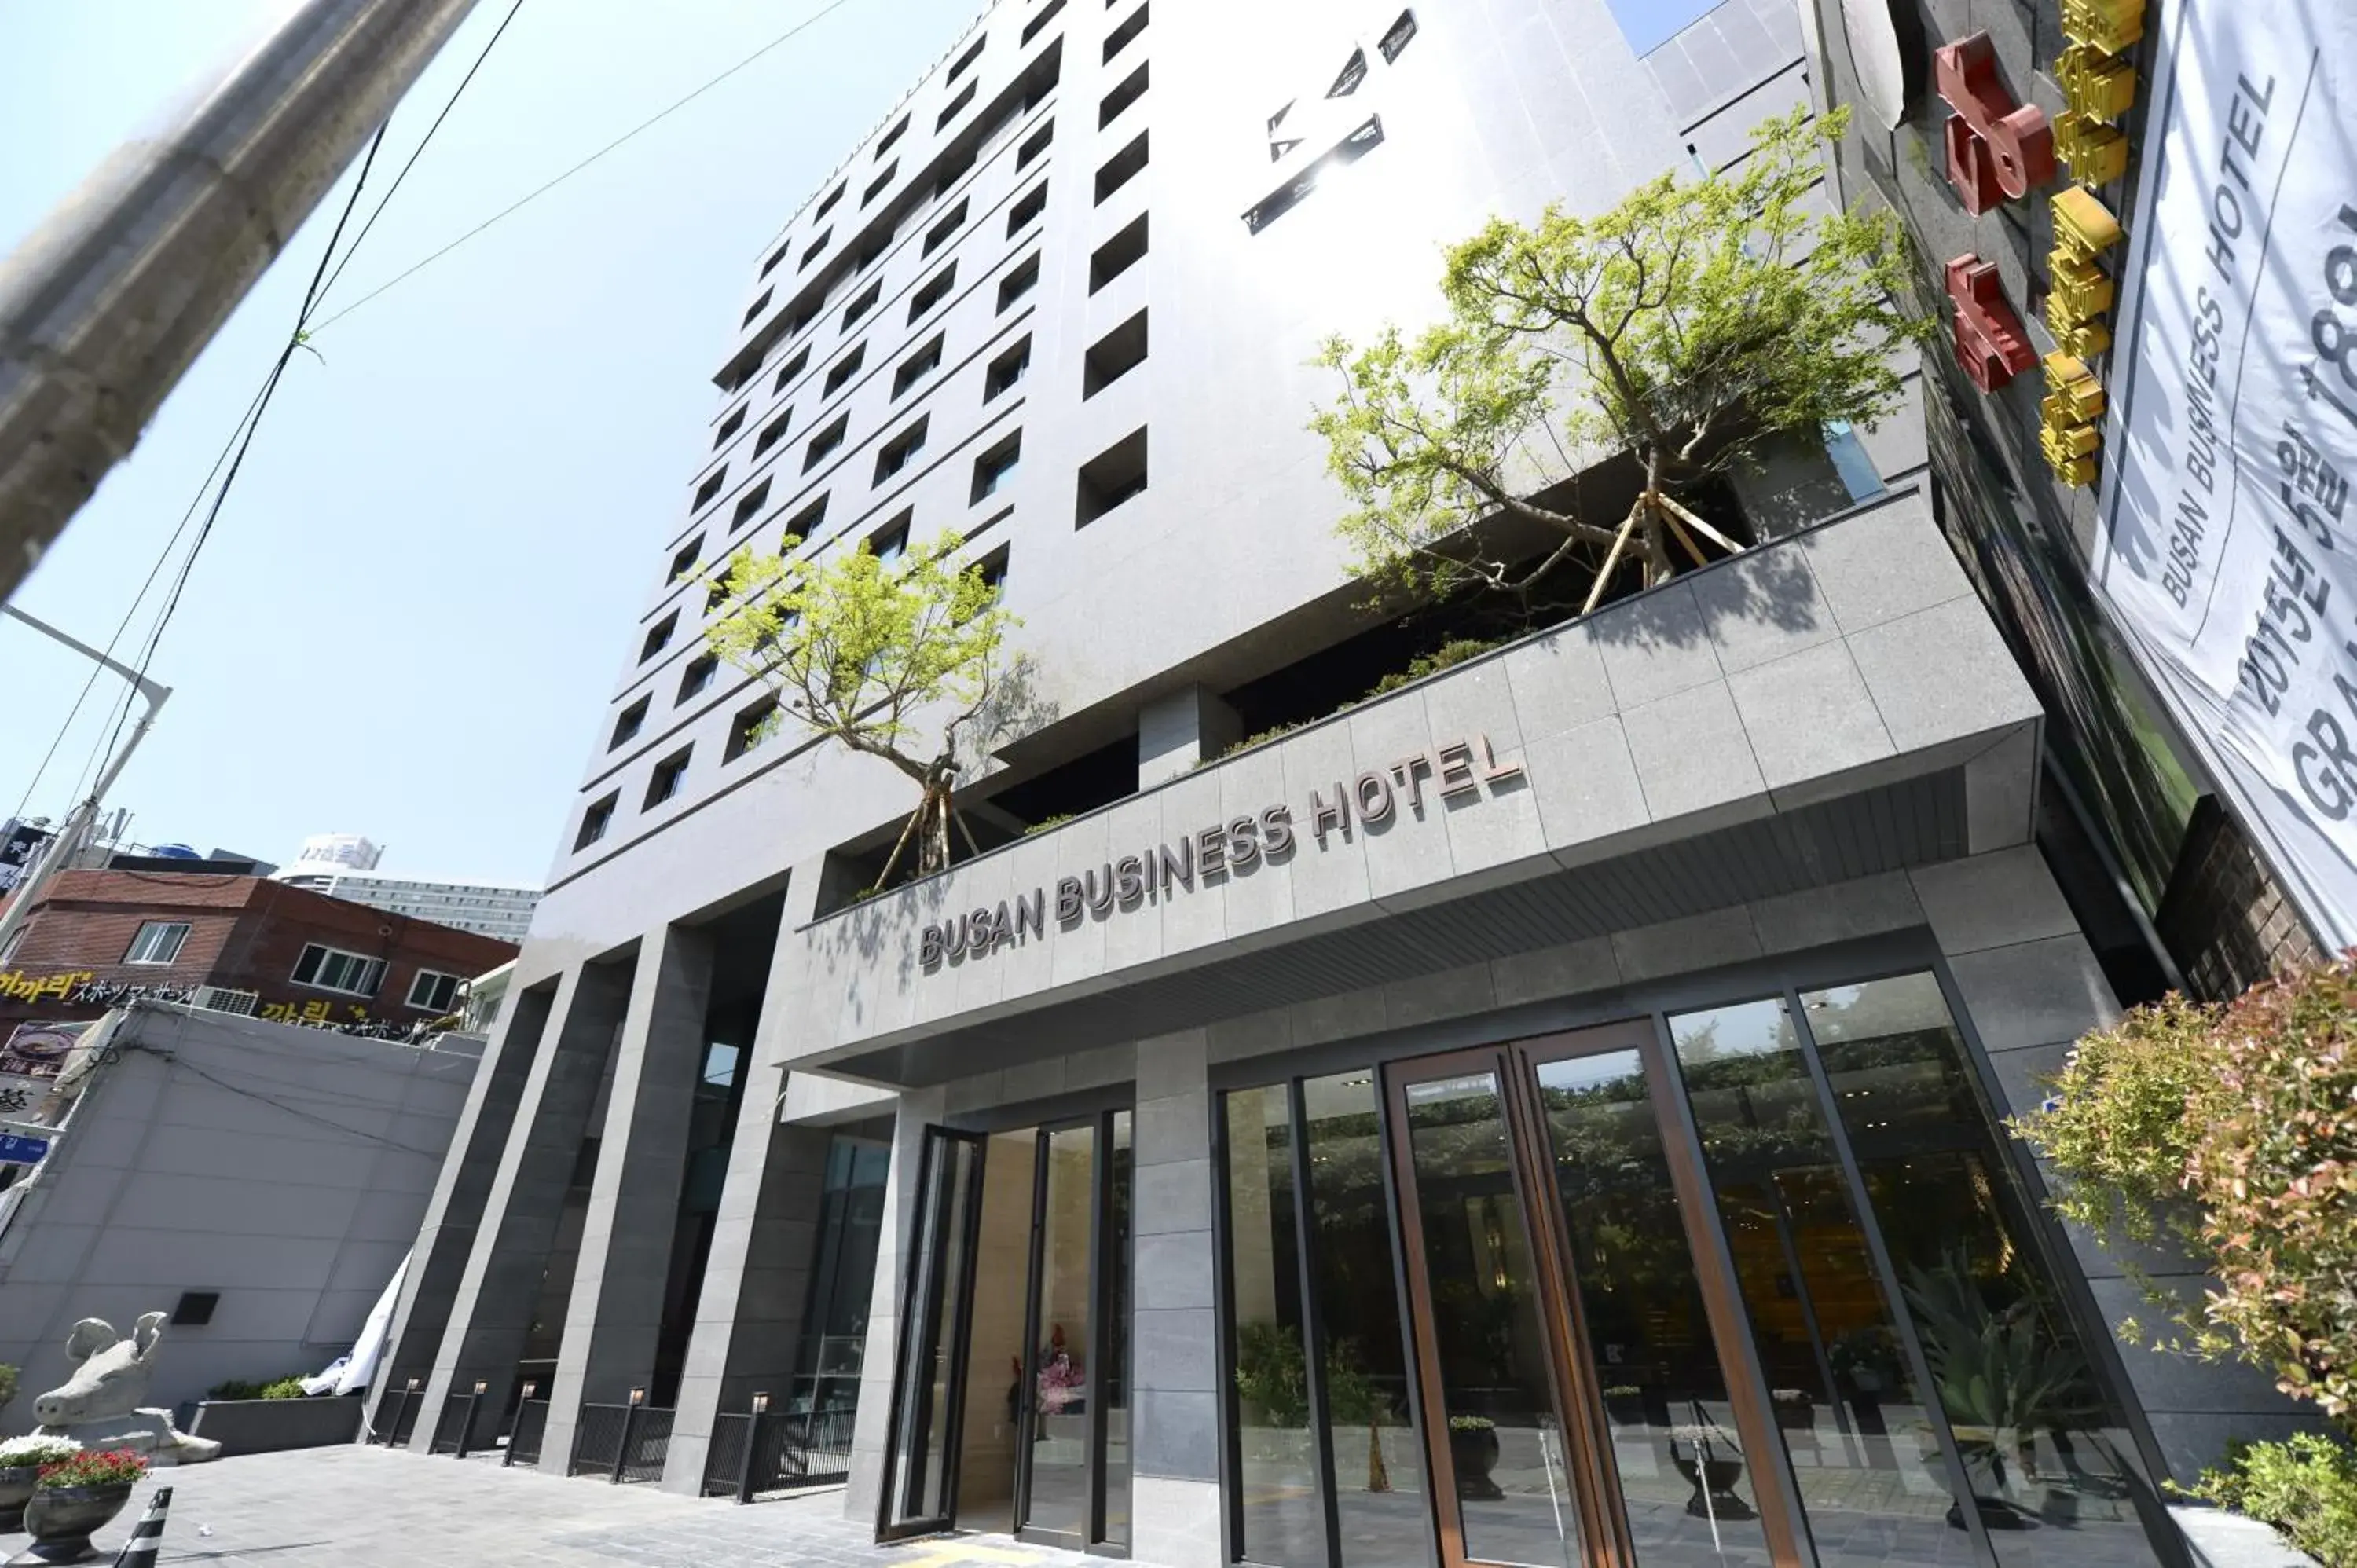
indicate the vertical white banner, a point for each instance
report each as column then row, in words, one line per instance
column 2228, row 546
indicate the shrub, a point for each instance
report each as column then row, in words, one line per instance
column 2307, row 1488
column 1454, row 651
column 7, row 1383
column 109, row 1467
column 1046, row 823
column 289, row 1386
column 36, row 1450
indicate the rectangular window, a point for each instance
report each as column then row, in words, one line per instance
column 1110, row 478
column 938, row 235
column 750, row 506
column 832, row 198
column 878, row 186
column 664, row 783
column 892, row 135
column 995, row 467
column 804, row 524
column 730, row 425
column 1006, row 370
column 863, row 305
column 683, row 561
column 1027, row 209
column 709, row 489
column 957, row 104
column 628, row 723
column 332, row 968
column 749, row 728
column 816, row 247
column 1397, row 38
column 895, row 455
column 934, row 290
column 840, row 374
column 159, row 941
column 756, row 309
column 965, row 61
column 1031, row 28
column 1118, row 254
column 1020, row 282
column 992, row 570
column 1033, row 146
column 889, row 542
column 432, row 992
column 1120, row 37
column 791, row 368
column 697, row 676
column 824, row 442
column 1354, row 71
column 1121, row 168
column 1131, row 89
column 773, row 432
column 1113, row 355
column 594, row 823
column 779, row 254
column 916, row 367
column 658, row 637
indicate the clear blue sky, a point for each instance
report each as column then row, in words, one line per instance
column 413, row 601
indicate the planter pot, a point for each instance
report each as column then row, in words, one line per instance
column 1626, row 1410
column 16, row 1491
column 1713, row 1483
column 61, row 1519
column 1473, row 1455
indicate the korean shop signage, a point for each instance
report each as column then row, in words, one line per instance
column 1465, row 769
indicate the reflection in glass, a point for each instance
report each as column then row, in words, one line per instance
column 824, row 1393
column 2048, row 1454
column 1378, row 1463
column 1870, row 1475
column 1116, row 1381
column 921, row 1438
column 1685, row 1483
column 1061, row 1375
column 1505, row 1444
column 1284, row 1521
column 994, row 1380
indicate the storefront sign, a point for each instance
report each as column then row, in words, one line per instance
column 38, row 1050
column 1416, row 783
column 2226, row 552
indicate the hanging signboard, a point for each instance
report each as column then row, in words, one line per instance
column 2227, row 551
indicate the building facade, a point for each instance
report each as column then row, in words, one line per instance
column 487, row 909
column 1550, row 1111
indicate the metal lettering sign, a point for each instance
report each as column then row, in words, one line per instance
column 1462, row 769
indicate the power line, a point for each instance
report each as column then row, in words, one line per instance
column 808, row 22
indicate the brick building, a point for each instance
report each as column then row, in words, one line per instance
column 302, row 957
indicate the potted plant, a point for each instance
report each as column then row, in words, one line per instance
column 75, row 1497
column 21, row 1459
column 1625, row 1403
column 1473, row 1454
column 1708, row 1456
column 1796, row 1410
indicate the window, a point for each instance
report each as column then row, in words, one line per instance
column 718, row 595
column 730, row 425
column 935, row 290
column 823, row 443
column 332, row 968
column 750, row 506
column 1278, row 202
column 658, row 637
column 1006, row 370
column 749, row 728
column 684, row 561
column 843, row 370
column 875, row 186
column 1121, row 168
column 1113, row 355
column 862, row 305
column 1131, row 90
column 791, row 368
column 1026, row 211
column 628, row 723
column 811, row 253
column 1110, row 478
column 665, row 782
column 1397, row 38
column 433, row 992
column 1119, row 38
column 697, row 676
column 709, row 489
column 803, row 524
column 1042, row 80
column 995, row 466
column 951, row 222
column 889, row 542
column 1020, row 282
column 159, row 941
column 1033, row 146
column 779, row 254
column 992, row 570
column 756, row 309
column 1280, row 146
column 1354, row 71
column 895, row 454
column 195, row 1308
column 832, row 198
column 1118, row 254
column 940, row 121
column 965, row 61
column 773, row 432
column 916, row 367
column 594, row 823
column 1031, row 28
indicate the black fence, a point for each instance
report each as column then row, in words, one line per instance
column 620, row 1442
column 394, row 1418
column 776, row 1451
column 524, row 1440
column 450, row 1429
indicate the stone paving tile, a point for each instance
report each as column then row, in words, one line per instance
column 366, row 1507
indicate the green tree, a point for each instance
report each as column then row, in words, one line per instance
column 1686, row 327
column 902, row 659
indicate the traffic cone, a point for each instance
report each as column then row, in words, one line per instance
column 139, row 1551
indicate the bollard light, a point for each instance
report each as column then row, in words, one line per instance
column 413, row 1385
column 760, row 1403
column 481, row 1386
column 529, row 1389
column 638, row 1396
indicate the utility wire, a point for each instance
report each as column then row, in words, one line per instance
column 808, row 22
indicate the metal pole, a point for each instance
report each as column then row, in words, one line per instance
column 754, row 1422
column 106, row 304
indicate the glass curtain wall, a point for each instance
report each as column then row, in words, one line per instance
column 824, row 1393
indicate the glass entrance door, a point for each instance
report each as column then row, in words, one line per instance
column 921, row 1480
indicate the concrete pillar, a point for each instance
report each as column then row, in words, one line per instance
column 615, row 1313
column 1175, row 1416
column 492, row 1312
column 438, row 1260
column 1175, row 732
column 871, row 1429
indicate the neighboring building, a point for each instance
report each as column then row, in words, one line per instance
column 1417, row 1138
column 485, row 909
column 259, row 1182
column 350, row 851
column 237, row 941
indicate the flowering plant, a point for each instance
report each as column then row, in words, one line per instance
column 18, row 1453
column 1708, row 1435
column 1062, row 1380
column 111, row 1467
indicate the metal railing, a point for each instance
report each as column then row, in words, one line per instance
column 450, row 1426
column 620, row 1442
column 530, row 1427
column 394, row 1418
column 774, row 1451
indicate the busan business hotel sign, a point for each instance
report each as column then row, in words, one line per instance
column 1462, row 769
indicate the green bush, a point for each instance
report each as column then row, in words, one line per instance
column 7, row 1383
column 289, row 1386
column 1453, row 652
column 2307, row 1488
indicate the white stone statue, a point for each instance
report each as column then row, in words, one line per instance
column 100, row 1406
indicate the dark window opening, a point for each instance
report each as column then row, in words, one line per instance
column 992, row 570
column 938, row 235
column 1094, row 778
column 683, row 560
column 892, row 135
column 665, row 782
column 791, row 368
column 995, row 467
column 1354, row 71
column 875, row 186
column 628, row 723
column 1398, row 36
column 195, row 1308
column 803, row 524
column 935, row 290
column 811, row 255
column 824, row 442
column 1121, row 168
column 1282, row 200
column 658, row 637
column 965, row 61
column 709, row 489
column 1006, row 370
column 862, row 305
column 696, row 677
column 1031, row 28
column 756, row 309
column 594, row 822
column 729, row 426
column 889, row 542
column 773, row 432
column 1033, row 146
column 1044, row 77
column 750, row 506
column 749, row 728
column 1020, row 282
column 1120, row 37
column 957, row 105
column 843, row 370
column 832, row 198
column 1113, row 355
column 895, row 455
column 717, row 595
column 1118, row 254
column 1131, row 90
column 776, row 256
column 1110, row 478
column 916, row 367
column 1026, row 210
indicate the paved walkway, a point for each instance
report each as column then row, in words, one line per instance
column 367, row 1508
